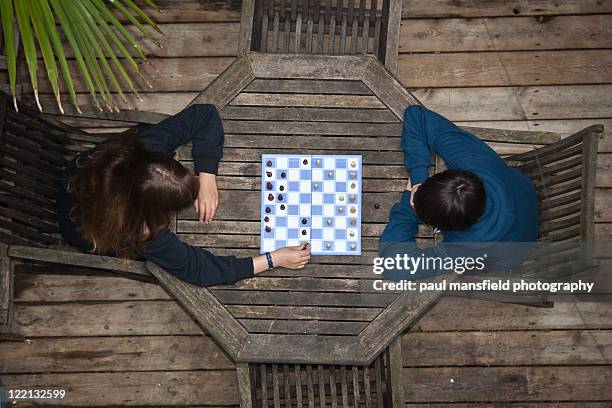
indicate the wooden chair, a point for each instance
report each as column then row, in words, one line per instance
column 323, row 27
column 33, row 152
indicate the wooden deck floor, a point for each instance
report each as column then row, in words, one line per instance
column 542, row 65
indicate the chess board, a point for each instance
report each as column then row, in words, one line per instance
column 310, row 198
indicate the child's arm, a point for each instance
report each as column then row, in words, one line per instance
column 403, row 223
column 199, row 124
column 424, row 130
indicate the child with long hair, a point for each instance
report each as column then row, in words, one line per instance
column 118, row 199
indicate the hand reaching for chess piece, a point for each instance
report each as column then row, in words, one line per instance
column 292, row 257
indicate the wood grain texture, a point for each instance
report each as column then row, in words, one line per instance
column 468, row 9
column 505, row 34
column 505, row 68
column 348, row 68
column 135, row 388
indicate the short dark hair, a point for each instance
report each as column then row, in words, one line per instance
column 450, row 200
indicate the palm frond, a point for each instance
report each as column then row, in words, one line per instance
column 100, row 44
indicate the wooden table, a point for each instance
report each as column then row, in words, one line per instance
column 328, row 312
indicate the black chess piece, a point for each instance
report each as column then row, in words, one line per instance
column 280, row 197
column 304, row 221
column 269, row 163
column 266, row 218
column 377, row 206
column 270, row 197
column 269, row 185
column 268, row 210
column 282, row 207
column 305, row 161
column 268, row 229
column 282, row 188
column 269, row 173
column 304, row 232
column 283, row 174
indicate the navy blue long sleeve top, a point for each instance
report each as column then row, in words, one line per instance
column 200, row 125
column 511, row 208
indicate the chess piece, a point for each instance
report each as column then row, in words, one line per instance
column 353, row 164
column 266, row 218
column 304, row 232
column 268, row 229
column 341, row 198
column 353, row 221
column 315, row 186
column 304, row 221
column 318, row 161
column 353, row 246
column 269, row 185
column 283, row 174
column 329, row 221
column 328, row 245
column 353, row 210
column 282, row 188
column 269, row 163
column 377, row 206
column 353, row 198
column 353, row 185
column 268, row 209
column 353, row 175
column 280, row 197
column 305, row 162
column 340, row 210
column 270, row 197
column 330, row 174
column 269, row 173
column 352, row 234
column 282, row 207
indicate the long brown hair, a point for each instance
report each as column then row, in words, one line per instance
column 125, row 194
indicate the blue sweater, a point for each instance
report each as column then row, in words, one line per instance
column 201, row 125
column 511, row 208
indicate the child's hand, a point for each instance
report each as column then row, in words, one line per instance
column 413, row 190
column 208, row 197
column 293, row 257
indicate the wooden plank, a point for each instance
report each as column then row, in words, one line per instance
column 512, row 348
column 114, row 318
column 506, row 34
column 519, row 103
column 588, row 383
column 303, row 312
column 303, row 327
column 452, row 314
column 315, row 128
column 118, row 389
column 247, row 15
column 125, row 353
column 396, row 378
column 447, row 8
column 314, row 100
column 387, row 88
column 228, row 85
column 347, row 68
column 187, row 11
column 204, row 307
column 245, row 393
column 229, row 297
column 78, row 259
column 505, row 68
column 331, row 349
column 392, row 34
column 315, row 114
column 195, row 74
column 308, row 86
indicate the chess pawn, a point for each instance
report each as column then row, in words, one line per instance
column 353, row 164
column 352, row 234
column 269, row 163
column 270, row 197
column 341, row 198
column 353, row 210
column 269, row 185
column 340, row 210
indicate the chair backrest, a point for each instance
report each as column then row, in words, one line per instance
column 323, row 27
column 34, row 151
column 564, row 174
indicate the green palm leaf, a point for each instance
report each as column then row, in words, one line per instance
column 99, row 42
